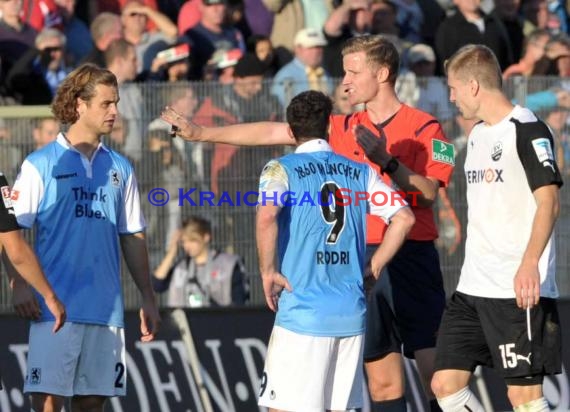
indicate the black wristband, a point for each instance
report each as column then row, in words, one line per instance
column 391, row 166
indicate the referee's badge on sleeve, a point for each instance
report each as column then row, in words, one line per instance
column 443, row 152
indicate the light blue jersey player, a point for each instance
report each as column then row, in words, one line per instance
column 83, row 200
column 311, row 243
column 80, row 207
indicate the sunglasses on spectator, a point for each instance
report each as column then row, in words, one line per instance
column 135, row 14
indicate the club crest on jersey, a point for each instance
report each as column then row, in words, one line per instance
column 443, row 152
column 115, row 178
column 497, row 151
column 544, row 153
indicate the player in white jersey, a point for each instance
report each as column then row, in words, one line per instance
column 312, row 243
column 503, row 314
column 83, row 200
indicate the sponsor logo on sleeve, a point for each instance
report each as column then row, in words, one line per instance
column 544, row 153
column 443, row 152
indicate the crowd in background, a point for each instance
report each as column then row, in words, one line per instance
column 245, row 60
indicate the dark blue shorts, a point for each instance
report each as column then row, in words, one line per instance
column 407, row 302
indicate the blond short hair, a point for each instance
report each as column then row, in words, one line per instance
column 478, row 62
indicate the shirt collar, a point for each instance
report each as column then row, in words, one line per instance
column 62, row 140
column 315, row 145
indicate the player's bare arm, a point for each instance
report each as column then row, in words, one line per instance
column 400, row 225
column 266, row 237
column 136, row 256
column 527, row 278
column 22, row 266
column 246, row 134
column 426, row 188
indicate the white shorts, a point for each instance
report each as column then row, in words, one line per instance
column 312, row 373
column 79, row 359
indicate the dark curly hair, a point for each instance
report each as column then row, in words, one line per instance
column 80, row 83
column 308, row 115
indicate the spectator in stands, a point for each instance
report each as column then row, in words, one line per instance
column 121, row 60
column 105, row 29
column 134, row 17
column 221, row 66
column 535, row 15
column 171, row 8
column 235, row 17
column 194, row 154
column 16, row 36
column 470, row 25
column 533, row 52
column 351, row 18
column 290, row 16
column 258, row 17
column 558, row 52
column 151, row 4
column 41, row 14
column 433, row 97
column 557, row 63
column 305, row 72
column 209, row 35
column 170, row 70
column 79, row 42
column 262, row 47
column 203, row 276
column 189, row 15
column 46, row 131
column 434, row 14
column 236, row 168
column 410, row 20
column 384, row 18
column 164, row 166
column 35, row 77
column 508, row 12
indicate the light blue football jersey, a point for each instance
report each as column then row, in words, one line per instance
column 321, row 246
column 79, row 208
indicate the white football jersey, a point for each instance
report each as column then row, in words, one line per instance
column 505, row 163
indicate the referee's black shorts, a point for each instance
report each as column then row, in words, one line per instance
column 494, row 333
column 407, row 302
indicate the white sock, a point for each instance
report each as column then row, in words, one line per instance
column 461, row 401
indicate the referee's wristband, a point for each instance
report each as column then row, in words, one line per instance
column 391, row 166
